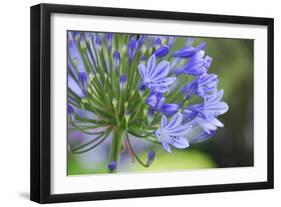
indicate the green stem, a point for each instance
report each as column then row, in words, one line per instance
column 116, row 145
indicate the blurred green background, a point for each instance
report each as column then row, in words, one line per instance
column 231, row 147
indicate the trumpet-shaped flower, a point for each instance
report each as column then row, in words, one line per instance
column 157, row 102
column 173, row 132
column 197, row 65
column 205, row 114
column 202, row 136
column 203, row 86
column 154, row 76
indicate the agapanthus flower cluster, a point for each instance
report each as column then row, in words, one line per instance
column 124, row 86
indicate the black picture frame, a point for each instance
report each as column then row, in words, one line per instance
column 41, row 98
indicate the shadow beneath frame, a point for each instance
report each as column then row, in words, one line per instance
column 24, row 195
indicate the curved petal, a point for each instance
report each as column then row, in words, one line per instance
column 164, row 121
column 74, row 53
column 181, row 130
column 216, row 109
column 185, row 52
column 160, row 89
column 188, row 115
column 71, row 68
column 199, row 54
column 175, row 120
column 195, row 64
column 73, row 85
column 151, row 64
column 180, row 143
column 161, row 71
column 206, row 125
column 217, row 97
column 164, row 82
column 201, row 46
column 166, row 146
column 203, row 136
column 152, row 100
column 216, row 122
column 142, row 70
column 169, row 109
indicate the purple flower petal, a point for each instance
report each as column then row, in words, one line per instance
column 164, row 121
column 185, row 52
column 166, row 147
column 160, row 71
column 169, row 109
column 142, row 70
column 180, row 143
column 203, row 136
column 151, row 64
column 176, row 120
column 74, row 86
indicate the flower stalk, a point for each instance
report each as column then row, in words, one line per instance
column 116, row 144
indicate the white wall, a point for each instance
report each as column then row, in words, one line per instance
column 14, row 110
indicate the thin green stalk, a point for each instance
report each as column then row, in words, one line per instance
column 116, row 145
column 101, row 136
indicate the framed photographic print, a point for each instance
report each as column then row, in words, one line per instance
column 132, row 103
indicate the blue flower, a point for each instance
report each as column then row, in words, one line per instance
column 122, row 82
column 90, row 39
column 162, row 51
column 185, row 52
column 171, row 40
column 116, row 59
column 70, row 112
column 157, row 42
column 173, row 132
column 98, row 42
column 75, row 87
column 140, row 40
column 74, row 53
column 157, row 102
column 189, row 51
column 132, row 48
column 202, row 136
column 197, row 64
column 155, row 76
column 203, row 86
column 112, row 165
column 205, row 114
column 150, row 157
column 109, row 40
column 82, row 80
column 142, row 59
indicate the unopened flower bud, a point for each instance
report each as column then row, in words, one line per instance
column 150, row 116
column 116, row 59
column 126, row 105
column 98, row 43
column 114, row 102
column 142, row 59
column 112, row 165
column 70, row 112
column 109, row 40
column 127, row 116
column 122, row 82
column 150, row 157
